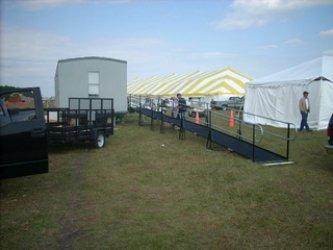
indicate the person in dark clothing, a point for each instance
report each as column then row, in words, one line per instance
column 181, row 106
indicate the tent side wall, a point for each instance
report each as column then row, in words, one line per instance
column 280, row 102
column 326, row 103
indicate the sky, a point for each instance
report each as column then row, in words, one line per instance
column 256, row 37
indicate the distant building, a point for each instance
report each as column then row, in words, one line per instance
column 91, row 77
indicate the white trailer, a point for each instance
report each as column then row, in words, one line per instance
column 91, row 77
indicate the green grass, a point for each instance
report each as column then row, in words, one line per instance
column 149, row 190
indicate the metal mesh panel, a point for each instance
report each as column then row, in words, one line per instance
column 84, row 103
column 73, row 103
column 107, row 104
column 96, row 104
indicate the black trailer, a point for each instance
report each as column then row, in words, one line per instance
column 26, row 129
column 85, row 119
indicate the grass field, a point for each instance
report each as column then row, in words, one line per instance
column 147, row 190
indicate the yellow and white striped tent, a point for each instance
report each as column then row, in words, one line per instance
column 226, row 81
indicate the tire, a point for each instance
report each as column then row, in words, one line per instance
column 100, row 140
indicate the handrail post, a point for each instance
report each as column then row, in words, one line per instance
column 130, row 102
column 207, row 110
column 152, row 114
column 162, row 122
column 253, row 141
column 90, row 107
column 209, row 124
column 240, row 120
column 140, row 111
column 112, row 115
column 288, row 135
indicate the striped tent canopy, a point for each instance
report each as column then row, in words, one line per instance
column 226, row 81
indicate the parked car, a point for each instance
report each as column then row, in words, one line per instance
column 23, row 135
column 330, row 131
column 329, row 146
column 219, row 105
column 195, row 107
column 234, row 102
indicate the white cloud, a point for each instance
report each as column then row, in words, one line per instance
column 326, row 33
column 29, row 57
column 253, row 13
column 328, row 52
column 268, row 46
column 211, row 55
column 40, row 4
column 262, row 6
column 294, row 42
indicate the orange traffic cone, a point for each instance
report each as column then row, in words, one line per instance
column 232, row 119
column 197, row 118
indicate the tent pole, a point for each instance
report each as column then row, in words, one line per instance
column 288, row 141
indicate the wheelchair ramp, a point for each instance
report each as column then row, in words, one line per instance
column 233, row 143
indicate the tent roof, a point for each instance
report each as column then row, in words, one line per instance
column 217, row 82
column 319, row 67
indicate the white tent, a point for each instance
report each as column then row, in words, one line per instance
column 277, row 96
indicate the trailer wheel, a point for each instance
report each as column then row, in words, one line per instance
column 100, row 140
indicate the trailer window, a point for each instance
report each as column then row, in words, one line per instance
column 20, row 106
column 93, row 83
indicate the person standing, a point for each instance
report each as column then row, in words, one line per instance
column 304, row 107
column 181, row 106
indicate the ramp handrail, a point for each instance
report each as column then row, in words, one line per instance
column 259, row 131
column 279, row 121
column 242, row 122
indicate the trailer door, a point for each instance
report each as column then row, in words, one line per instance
column 23, row 135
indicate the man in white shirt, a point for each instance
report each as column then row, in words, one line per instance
column 304, row 107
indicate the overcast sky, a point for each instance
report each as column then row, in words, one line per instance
column 256, row 37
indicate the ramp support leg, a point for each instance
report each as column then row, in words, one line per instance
column 152, row 119
column 140, row 112
column 288, row 135
column 253, row 141
column 209, row 124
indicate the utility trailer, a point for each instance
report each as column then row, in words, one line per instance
column 26, row 129
column 85, row 119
